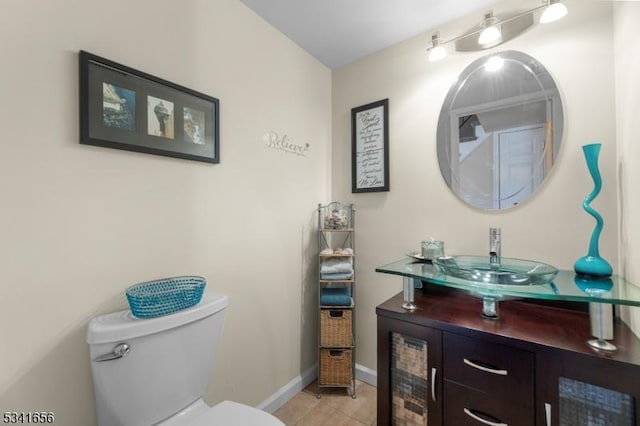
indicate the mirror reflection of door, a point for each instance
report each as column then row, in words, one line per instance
column 503, row 168
column 500, row 154
column 520, row 170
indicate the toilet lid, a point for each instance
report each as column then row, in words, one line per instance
column 229, row 413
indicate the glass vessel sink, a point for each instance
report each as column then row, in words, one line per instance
column 503, row 271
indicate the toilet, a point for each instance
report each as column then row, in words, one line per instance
column 155, row 371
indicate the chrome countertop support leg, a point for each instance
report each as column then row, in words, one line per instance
column 409, row 294
column 601, row 316
column 490, row 307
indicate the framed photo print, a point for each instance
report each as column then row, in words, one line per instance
column 370, row 147
column 127, row 109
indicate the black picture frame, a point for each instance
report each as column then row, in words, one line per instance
column 127, row 109
column 370, row 147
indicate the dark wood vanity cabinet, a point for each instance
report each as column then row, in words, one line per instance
column 443, row 364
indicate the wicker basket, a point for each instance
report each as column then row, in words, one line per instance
column 335, row 327
column 335, row 367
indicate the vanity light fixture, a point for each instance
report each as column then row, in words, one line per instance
column 555, row 10
column 436, row 52
column 493, row 31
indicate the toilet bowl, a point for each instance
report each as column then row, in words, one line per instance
column 225, row 413
column 155, row 371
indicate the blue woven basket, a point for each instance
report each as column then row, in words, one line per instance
column 163, row 297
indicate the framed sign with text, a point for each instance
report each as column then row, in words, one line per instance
column 370, row 147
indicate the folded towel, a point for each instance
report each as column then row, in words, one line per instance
column 336, row 276
column 336, row 265
column 337, row 251
column 339, row 296
column 344, row 251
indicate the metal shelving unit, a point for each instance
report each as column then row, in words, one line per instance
column 336, row 296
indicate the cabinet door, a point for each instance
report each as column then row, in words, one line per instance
column 409, row 374
column 575, row 389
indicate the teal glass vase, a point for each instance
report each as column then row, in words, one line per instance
column 592, row 264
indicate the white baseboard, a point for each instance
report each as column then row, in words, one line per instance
column 301, row 381
column 367, row 375
column 289, row 390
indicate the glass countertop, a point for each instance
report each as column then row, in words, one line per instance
column 566, row 286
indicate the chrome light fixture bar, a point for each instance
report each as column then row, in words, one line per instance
column 490, row 32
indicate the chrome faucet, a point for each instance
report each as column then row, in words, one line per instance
column 494, row 246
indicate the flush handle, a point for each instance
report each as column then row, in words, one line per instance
column 121, row 350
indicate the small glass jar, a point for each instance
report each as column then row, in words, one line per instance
column 432, row 249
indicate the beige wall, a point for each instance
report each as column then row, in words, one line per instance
column 627, row 66
column 81, row 223
column 550, row 227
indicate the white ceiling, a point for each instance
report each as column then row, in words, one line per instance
column 338, row 32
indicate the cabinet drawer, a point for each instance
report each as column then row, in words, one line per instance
column 469, row 407
column 503, row 371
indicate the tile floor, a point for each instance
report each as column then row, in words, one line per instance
column 335, row 407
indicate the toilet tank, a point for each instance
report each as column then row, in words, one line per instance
column 167, row 367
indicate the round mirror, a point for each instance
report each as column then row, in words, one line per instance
column 499, row 130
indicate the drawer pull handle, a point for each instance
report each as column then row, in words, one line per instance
column 547, row 413
column 483, row 368
column 481, row 420
column 433, row 384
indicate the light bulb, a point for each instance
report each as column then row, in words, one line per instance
column 436, row 53
column 489, row 35
column 553, row 12
column 494, row 63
